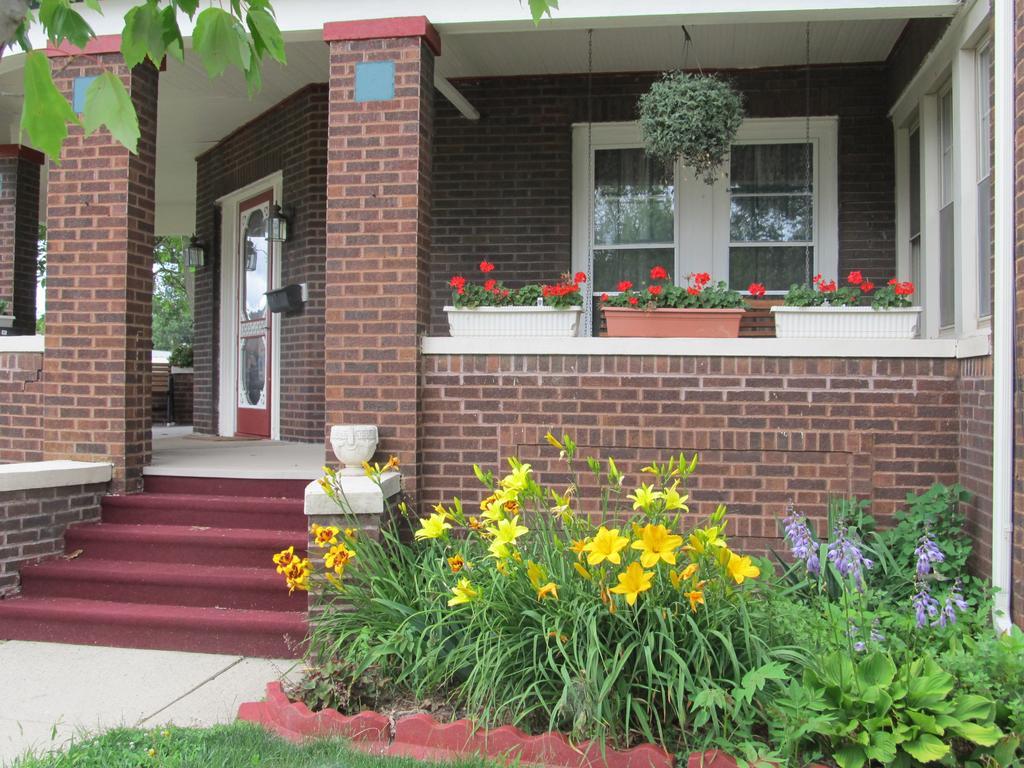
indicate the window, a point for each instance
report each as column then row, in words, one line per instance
column 984, row 179
column 947, row 228
column 914, row 190
column 771, row 215
column 773, row 219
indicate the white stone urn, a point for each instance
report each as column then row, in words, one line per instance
column 353, row 444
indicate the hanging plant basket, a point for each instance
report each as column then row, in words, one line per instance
column 691, row 117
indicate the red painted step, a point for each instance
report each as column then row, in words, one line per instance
column 200, row 545
column 212, row 511
column 268, row 634
column 200, row 586
column 226, row 486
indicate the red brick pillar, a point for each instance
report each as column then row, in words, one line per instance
column 378, row 226
column 19, row 233
column 99, row 290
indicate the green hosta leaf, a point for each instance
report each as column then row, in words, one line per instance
column 926, row 748
column 925, row 722
column 927, row 691
column 62, row 22
column 876, row 669
column 220, row 42
column 264, row 29
column 850, row 756
column 972, row 707
column 882, row 748
column 108, row 103
column 986, row 735
column 45, row 113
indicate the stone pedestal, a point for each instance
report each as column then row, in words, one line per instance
column 366, row 503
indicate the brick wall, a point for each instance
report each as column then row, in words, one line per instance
column 19, row 233
column 21, row 406
column 32, row 524
column 183, row 397
column 975, row 454
column 100, row 213
column 768, row 430
column 916, row 40
column 503, row 184
column 291, row 138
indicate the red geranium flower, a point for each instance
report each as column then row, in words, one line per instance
column 581, row 277
column 604, row 297
column 701, row 279
column 893, row 281
column 867, row 286
column 624, row 286
column 828, row 287
column 855, row 278
column 486, row 266
column 904, row 289
column 817, row 279
column 693, row 290
column 756, row 290
column 654, row 290
column 458, row 282
column 658, row 273
column 489, row 285
column 634, row 300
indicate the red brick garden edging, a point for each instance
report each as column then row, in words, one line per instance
column 422, row 737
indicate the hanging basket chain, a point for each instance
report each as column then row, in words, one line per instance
column 588, row 313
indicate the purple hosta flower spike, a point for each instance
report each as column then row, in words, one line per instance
column 927, row 552
column 801, row 541
column 954, row 602
column 847, row 557
column 925, row 606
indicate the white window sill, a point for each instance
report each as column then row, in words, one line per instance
column 746, row 347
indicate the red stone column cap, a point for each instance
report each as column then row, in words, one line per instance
column 22, row 153
column 99, row 44
column 377, row 29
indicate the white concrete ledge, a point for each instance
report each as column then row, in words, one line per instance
column 52, row 474
column 21, row 344
column 748, row 347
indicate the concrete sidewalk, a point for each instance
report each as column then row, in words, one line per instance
column 51, row 693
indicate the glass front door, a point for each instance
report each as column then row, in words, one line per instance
column 255, row 352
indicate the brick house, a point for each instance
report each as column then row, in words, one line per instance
column 405, row 149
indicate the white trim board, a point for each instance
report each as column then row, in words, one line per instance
column 14, row 344
column 745, row 347
column 30, row 475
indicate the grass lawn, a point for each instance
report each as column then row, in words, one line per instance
column 240, row 745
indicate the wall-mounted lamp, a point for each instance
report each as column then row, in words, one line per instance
column 251, row 257
column 277, row 225
column 195, row 254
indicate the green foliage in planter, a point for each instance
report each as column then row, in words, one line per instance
column 181, row 356
column 3, row 307
column 700, row 292
column 691, row 117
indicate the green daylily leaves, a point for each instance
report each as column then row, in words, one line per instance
column 926, row 748
column 45, row 113
column 107, row 103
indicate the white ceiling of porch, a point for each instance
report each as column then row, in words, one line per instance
column 195, row 113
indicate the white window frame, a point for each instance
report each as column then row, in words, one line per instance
column 982, row 126
column 707, row 247
column 952, row 62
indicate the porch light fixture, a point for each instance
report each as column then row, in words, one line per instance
column 194, row 253
column 277, row 225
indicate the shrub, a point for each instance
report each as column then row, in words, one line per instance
column 181, row 356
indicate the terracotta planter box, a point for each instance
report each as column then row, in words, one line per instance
column 422, row 737
column 846, row 322
column 519, row 322
column 670, row 323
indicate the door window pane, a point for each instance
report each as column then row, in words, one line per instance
column 771, row 204
column 256, row 267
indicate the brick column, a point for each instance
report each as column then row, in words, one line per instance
column 100, row 212
column 378, row 227
column 19, row 233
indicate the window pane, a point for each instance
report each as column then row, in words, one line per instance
column 946, row 145
column 985, row 247
column 984, row 112
column 771, row 219
column 777, row 267
column 633, row 264
column 915, row 183
column 947, row 269
column 634, row 198
column 761, row 168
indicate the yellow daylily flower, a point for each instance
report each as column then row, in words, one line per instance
column 689, row 571
column 518, row 479
column 507, row 531
column 456, row 563
column 644, row 497
column 433, row 527
column 579, row 546
column 499, row 505
column 336, row 558
column 706, row 538
column 499, row 550
column 464, row 592
column 657, row 544
column 296, row 575
column 284, row 558
column 605, row 545
column 632, row 582
column 741, row 568
column 553, row 441
column 676, row 578
column 673, row 500
column 324, row 535
column 582, row 571
column 548, row 590
column 696, row 597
